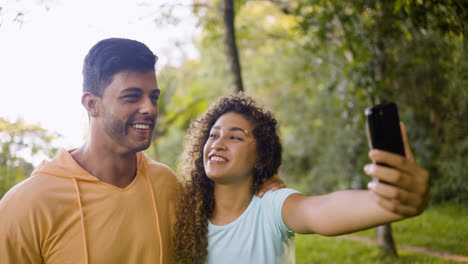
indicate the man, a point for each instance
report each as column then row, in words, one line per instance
column 105, row 202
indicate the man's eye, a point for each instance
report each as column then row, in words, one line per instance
column 131, row 96
column 236, row 138
column 154, row 99
column 212, row 135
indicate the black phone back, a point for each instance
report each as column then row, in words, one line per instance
column 383, row 126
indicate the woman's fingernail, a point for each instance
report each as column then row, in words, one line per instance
column 370, row 168
column 261, row 194
column 371, row 185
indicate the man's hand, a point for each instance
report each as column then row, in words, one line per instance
column 274, row 183
column 408, row 184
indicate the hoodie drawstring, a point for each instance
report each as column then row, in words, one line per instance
column 82, row 220
column 155, row 211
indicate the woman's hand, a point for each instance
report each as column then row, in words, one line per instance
column 403, row 187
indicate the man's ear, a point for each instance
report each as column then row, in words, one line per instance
column 92, row 103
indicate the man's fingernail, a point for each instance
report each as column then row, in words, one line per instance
column 371, row 185
column 261, row 194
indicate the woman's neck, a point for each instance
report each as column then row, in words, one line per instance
column 230, row 202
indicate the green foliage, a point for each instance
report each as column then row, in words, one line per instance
column 19, row 141
column 9, row 176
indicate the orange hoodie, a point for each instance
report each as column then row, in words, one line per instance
column 63, row 214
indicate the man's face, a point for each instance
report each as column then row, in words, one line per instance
column 130, row 110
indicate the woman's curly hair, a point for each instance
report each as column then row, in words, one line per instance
column 196, row 203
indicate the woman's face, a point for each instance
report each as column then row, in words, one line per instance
column 229, row 154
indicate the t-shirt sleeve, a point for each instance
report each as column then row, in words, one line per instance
column 274, row 203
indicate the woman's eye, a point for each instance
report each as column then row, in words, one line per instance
column 212, row 135
column 236, row 138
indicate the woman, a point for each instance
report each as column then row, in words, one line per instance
column 231, row 150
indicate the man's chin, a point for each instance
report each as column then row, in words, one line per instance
column 141, row 147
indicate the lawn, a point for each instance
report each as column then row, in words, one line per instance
column 438, row 228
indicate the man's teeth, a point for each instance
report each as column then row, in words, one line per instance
column 141, row 126
column 216, row 158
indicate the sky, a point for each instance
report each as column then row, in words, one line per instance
column 42, row 52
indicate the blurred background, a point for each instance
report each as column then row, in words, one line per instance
column 316, row 64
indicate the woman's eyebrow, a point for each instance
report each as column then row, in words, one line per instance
column 232, row 129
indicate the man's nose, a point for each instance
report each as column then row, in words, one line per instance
column 148, row 107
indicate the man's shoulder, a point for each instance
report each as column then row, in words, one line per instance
column 28, row 198
column 31, row 189
column 158, row 167
column 160, row 172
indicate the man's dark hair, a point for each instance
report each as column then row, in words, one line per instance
column 111, row 56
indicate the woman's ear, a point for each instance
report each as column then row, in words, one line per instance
column 92, row 103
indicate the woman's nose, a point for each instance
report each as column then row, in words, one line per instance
column 218, row 144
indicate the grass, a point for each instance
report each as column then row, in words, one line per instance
column 442, row 228
column 317, row 249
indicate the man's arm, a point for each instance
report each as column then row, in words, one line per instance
column 353, row 210
column 13, row 251
column 18, row 236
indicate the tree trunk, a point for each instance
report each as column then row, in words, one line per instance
column 230, row 47
column 385, row 240
column 384, row 232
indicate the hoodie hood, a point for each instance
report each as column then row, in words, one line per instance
column 64, row 166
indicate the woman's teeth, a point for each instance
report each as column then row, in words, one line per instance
column 216, row 158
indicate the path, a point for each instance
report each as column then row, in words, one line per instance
column 434, row 253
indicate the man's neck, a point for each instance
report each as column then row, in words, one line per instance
column 118, row 169
column 230, row 202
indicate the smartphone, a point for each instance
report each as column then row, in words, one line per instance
column 383, row 128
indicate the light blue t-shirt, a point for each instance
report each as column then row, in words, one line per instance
column 258, row 236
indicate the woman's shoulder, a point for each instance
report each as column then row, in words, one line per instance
column 277, row 195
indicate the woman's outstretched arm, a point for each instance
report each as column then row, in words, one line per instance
column 404, row 194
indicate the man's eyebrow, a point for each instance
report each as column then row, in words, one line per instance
column 139, row 90
column 132, row 90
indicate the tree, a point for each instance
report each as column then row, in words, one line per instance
column 230, row 46
column 19, row 142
